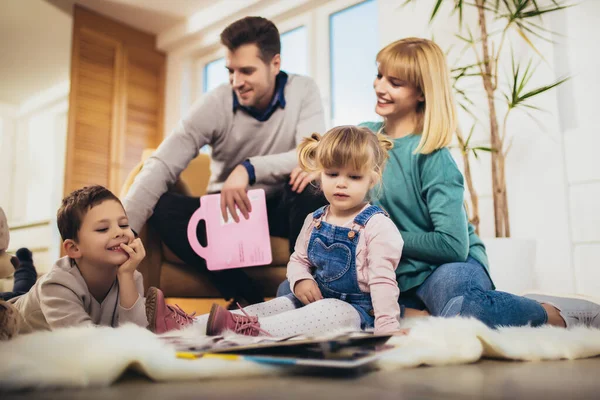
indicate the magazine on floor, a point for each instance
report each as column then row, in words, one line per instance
column 346, row 350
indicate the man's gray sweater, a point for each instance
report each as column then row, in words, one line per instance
column 234, row 137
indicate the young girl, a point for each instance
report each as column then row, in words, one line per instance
column 444, row 267
column 342, row 269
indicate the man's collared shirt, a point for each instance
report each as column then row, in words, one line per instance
column 278, row 100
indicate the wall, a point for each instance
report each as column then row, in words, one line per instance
column 7, row 116
column 38, row 155
column 578, row 107
column 32, row 153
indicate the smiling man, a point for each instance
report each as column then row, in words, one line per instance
column 253, row 125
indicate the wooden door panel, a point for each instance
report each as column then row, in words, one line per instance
column 91, row 112
column 116, row 100
column 144, row 104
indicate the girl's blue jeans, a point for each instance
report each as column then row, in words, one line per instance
column 465, row 289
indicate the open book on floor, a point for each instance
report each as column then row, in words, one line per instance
column 348, row 350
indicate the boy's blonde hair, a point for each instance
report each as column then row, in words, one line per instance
column 421, row 63
column 345, row 146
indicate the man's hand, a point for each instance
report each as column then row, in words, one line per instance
column 299, row 179
column 234, row 193
column 307, row 291
column 136, row 252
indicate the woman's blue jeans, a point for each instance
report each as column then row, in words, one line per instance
column 465, row 289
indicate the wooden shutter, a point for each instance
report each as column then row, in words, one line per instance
column 116, row 100
column 144, row 106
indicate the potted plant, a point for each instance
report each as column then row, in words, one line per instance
column 502, row 98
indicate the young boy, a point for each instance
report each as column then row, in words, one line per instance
column 97, row 282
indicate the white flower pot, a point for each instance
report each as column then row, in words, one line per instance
column 512, row 263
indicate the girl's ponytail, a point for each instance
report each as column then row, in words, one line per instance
column 384, row 142
column 307, row 152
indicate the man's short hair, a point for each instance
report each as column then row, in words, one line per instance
column 253, row 30
column 75, row 205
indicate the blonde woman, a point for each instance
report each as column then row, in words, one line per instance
column 444, row 267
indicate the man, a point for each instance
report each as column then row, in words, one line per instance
column 253, row 126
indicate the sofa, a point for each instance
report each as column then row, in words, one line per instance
column 163, row 269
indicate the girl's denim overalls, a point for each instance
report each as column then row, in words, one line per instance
column 332, row 253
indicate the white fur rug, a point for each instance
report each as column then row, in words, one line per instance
column 84, row 357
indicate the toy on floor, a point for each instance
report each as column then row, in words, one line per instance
column 8, row 314
column 25, row 276
column 8, row 263
column 9, row 320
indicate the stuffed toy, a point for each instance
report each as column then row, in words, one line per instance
column 8, row 263
column 9, row 322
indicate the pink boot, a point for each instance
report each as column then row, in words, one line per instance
column 220, row 320
column 163, row 317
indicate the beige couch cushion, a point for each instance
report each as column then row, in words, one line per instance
column 181, row 280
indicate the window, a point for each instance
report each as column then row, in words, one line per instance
column 294, row 51
column 215, row 74
column 353, row 41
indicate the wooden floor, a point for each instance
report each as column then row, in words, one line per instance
column 200, row 306
column 487, row 379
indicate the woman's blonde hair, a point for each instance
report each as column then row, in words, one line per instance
column 345, row 146
column 421, row 63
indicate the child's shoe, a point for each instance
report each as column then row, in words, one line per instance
column 25, row 272
column 220, row 320
column 25, row 255
column 9, row 320
column 574, row 311
column 163, row 317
